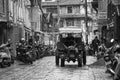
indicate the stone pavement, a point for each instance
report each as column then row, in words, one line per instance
column 45, row 69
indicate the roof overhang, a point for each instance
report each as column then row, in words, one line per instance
column 70, row 30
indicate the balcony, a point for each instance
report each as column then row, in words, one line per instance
column 64, row 16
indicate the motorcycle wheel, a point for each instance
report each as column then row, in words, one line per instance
column 9, row 64
column 2, row 64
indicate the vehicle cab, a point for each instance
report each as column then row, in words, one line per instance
column 70, row 47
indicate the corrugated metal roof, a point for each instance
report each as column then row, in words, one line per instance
column 63, row 2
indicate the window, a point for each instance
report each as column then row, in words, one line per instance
column 77, row 10
column 69, row 9
column 82, row 10
column 61, row 23
column 70, row 22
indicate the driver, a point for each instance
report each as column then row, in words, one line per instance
column 70, row 40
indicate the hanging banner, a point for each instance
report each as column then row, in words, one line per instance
column 102, row 5
column 102, row 14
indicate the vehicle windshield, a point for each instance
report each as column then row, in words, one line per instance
column 70, row 39
column 75, row 35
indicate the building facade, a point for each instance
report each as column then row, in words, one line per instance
column 3, row 21
column 19, row 20
column 69, row 14
column 36, row 21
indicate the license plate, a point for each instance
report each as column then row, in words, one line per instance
column 109, row 62
column 72, row 55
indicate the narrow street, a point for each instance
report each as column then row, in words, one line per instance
column 45, row 69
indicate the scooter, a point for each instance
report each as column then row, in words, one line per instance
column 5, row 56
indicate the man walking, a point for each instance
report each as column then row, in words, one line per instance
column 95, row 44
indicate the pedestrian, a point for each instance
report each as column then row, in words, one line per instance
column 95, row 44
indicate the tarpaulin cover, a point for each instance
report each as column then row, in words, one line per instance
column 70, row 30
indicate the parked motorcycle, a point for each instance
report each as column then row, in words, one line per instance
column 113, row 60
column 117, row 69
column 38, row 50
column 108, row 58
column 24, row 54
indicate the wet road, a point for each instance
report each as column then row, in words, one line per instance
column 45, row 69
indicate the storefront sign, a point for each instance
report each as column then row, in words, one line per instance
column 102, row 15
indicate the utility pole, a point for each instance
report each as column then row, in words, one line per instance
column 58, row 12
column 86, row 21
column 32, row 23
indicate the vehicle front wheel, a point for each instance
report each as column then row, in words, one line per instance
column 2, row 64
column 79, row 62
column 57, row 60
column 9, row 64
column 62, row 62
column 84, row 58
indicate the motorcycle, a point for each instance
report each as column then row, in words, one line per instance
column 101, row 51
column 116, row 68
column 113, row 61
column 5, row 56
column 38, row 51
column 108, row 59
column 24, row 54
